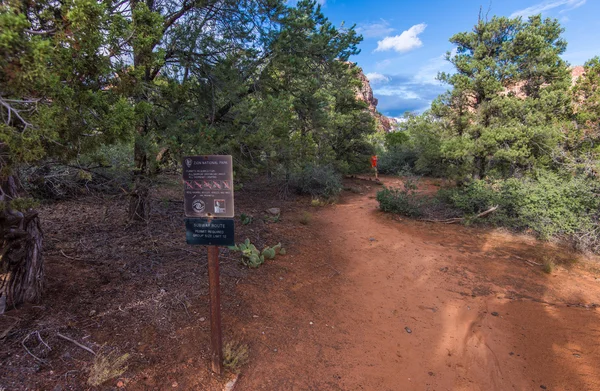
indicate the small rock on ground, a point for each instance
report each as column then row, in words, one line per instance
column 230, row 384
column 273, row 211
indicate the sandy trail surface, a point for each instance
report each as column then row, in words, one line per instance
column 366, row 301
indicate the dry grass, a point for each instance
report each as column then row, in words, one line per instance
column 306, row 218
column 549, row 265
column 235, row 356
column 107, row 366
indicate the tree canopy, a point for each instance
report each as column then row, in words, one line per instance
column 264, row 81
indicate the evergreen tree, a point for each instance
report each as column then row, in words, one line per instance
column 509, row 100
column 583, row 143
column 55, row 100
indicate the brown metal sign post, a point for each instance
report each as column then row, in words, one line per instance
column 216, row 339
column 208, row 204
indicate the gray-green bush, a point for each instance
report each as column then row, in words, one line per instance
column 403, row 201
column 548, row 204
column 398, row 159
column 318, row 181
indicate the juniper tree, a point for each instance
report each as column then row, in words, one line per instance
column 509, row 99
column 55, row 101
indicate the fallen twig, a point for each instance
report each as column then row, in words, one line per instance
column 76, row 343
column 66, row 256
column 42, row 341
column 459, row 219
column 531, row 262
column 28, row 351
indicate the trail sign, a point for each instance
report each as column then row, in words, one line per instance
column 208, row 186
column 208, row 204
column 209, row 232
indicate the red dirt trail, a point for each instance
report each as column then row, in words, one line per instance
column 334, row 314
column 338, row 312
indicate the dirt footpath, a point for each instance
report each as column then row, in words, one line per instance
column 362, row 301
column 366, row 301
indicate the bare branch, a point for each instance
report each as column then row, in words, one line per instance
column 41, row 32
column 76, row 343
column 12, row 110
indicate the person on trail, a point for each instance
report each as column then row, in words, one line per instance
column 374, row 164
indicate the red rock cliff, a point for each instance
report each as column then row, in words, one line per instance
column 365, row 93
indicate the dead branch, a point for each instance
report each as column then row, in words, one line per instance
column 76, row 343
column 42, row 341
column 28, row 351
column 459, row 219
column 66, row 256
column 11, row 110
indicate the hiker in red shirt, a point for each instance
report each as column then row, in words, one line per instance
column 374, row 164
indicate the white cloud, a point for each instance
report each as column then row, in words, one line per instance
column 375, row 30
column 404, row 42
column 376, row 78
column 548, row 5
column 413, row 91
column 399, row 91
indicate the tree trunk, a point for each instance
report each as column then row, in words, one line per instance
column 21, row 241
column 139, row 202
column 479, row 172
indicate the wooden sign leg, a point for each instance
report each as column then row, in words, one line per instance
column 215, row 310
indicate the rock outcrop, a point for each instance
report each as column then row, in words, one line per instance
column 576, row 72
column 365, row 93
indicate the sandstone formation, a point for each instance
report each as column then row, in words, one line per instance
column 365, row 93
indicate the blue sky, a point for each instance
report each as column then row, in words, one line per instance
column 405, row 41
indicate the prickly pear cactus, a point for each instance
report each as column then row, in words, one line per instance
column 254, row 261
column 269, row 253
column 252, row 257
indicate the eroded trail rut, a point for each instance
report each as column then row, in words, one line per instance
column 367, row 302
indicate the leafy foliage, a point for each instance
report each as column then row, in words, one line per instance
column 509, row 99
column 403, row 201
column 512, row 131
column 547, row 204
column 318, row 181
column 268, row 82
column 246, row 219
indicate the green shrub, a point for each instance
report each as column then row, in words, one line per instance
column 318, row 181
column 394, row 139
column 474, row 198
column 355, row 158
column 397, row 159
column 549, row 205
column 246, row 219
column 401, row 201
